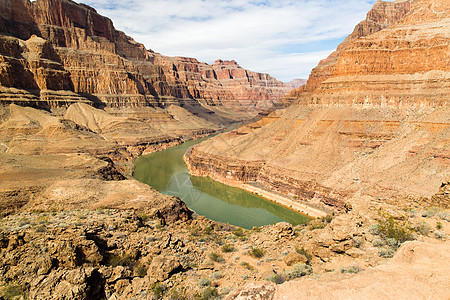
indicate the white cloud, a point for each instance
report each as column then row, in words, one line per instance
column 263, row 36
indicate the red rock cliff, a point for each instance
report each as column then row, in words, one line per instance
column 376, row 124
column 93, row 59
column 382, row 15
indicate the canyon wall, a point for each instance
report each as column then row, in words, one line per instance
column 382, row 15
column 54, row 48
column 376, row 123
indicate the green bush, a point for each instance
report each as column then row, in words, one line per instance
column 140, row 270
column 124, row 260
column 276, row 278
column 438, row 225
column 208, row 229
column 378, row 243
column 239, row 232
column 256, row 252
column 228, row 248
column 352, row 269
column 215, row 275
column 393, row 243
column 209, row 293
column 390, row 228
column 204, row 282
column 298, row 270
column 439, row 235
column 386, row 252
column 12, row 290
column 216, row 257
column 247, row 266
column 158, row 289
column 423, row 228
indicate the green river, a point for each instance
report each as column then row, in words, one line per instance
column 166, row 172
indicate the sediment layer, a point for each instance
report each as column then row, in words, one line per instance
column 377, row 124
column 61, row 46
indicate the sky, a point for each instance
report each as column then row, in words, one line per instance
column 285, row 38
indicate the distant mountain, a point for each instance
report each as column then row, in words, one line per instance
column 295, row 83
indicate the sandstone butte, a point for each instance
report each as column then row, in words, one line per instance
column 367, row 137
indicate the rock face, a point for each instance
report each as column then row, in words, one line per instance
column 378, row 123
column 382, row 15
column 411, row 272
column 58, row 52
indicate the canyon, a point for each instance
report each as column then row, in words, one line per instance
column 373, row 119
column 365, row 141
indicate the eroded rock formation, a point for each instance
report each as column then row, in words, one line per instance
column 376, row 121
column 60, row 52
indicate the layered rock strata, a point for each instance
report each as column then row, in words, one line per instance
column 382, row 15
column 53, row 49
column 378, row 125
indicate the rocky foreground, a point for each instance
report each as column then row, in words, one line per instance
column 123, row 254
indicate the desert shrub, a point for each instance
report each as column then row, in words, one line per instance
column 431, row 212
column 209, row 293
column 215, row 275
column 124, row 260
column 228, row 248
column 351, row 269
column 226, row 290
column 393, row 243
column 378, row 243
column 327, row 218
column 438, row 225
column 423, row 228
column 357, row 241
column 276, row 278
column 208, row 229
column 204, row 282
column 12, row 290
column 256, row 252
column 256, row 229
column 158, row 289
column 298, row 270
column 373, row 229
column 444, row 216
column 178, row 293
column 302, row 251
column 439, row 235
column 247, row 266
column 144, row 217
column 317, row 224
column 390, row 228
column 216, row 257
column 239, row 232
column 386, row 252
column 140, row 270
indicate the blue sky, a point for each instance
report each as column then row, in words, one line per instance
column 284, row 38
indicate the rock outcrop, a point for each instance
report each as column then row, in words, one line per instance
column 377, row 123
column 382, row 15
column 60, row 52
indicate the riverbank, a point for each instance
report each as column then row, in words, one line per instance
column 285, row 201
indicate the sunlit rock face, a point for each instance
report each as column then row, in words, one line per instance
column 64, row 46
column 375, row 121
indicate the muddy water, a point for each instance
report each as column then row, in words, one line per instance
column 167, row 172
